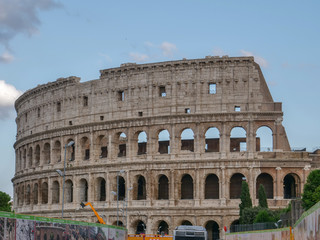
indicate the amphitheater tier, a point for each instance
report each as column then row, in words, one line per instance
column 172, row 140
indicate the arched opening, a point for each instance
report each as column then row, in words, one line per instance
column 212, row 140
column 187, row 140
column 44, row 192
column 101, row 189
column 164, row 142
column 186, row 223
column 122, row 145
column 55, row 192
column 69, row 191
column 28, row 195
column 266, row 180
column 37, row 155
column 56, row 152
column 234, row 227
column 141, row 191
column 163, row 187
column 212, row 228
column 35, row 193
column 70, row 153
column 102, row 145
column 238, row 140
column 235, row 185
column 291, row 186
column 83, row 194
column 24, row 158
column 212, row 187
column 142, row 143
column 46, row 153
column 85, row 148
column 22, row 197
column 264, row 139
column 141, row 228
column 187, row 187
column 163, row 228
column 30, row 156
column 122, row 188
column 45, row 236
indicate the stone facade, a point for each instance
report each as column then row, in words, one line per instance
column 185, row 133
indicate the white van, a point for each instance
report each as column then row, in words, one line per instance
column 190, row 233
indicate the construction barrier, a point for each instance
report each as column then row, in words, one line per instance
column 274, row 234
column 25, row 227
column 148, row 237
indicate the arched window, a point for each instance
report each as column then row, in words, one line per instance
column 235, row 185
column 83, row 190
column 24, row 158
column 142, row 143
column 56, row 152
column 85, row 148
column 212, row 187
column 69, row 191
column 35, row 193
column 187, row 140
column 122, row 145
column 187, row 187
column 22, row 197
column 46, row 153
column 70, row 154
column 234, row 227
column 212, row 228
column 267, row 181
column 264, row 139
column 101, row 189
column 102, row 144
column 141, row 228
column 164, row 142
column 163, row 187
column 44, row 192
column 186, row 223
column 122, row 188
column 163, row 228
column 30, row 156
column 238, row 140
column 141, row 193
column 55, row 192
column 291, row 186
column 212, row 140
column 28, row 195
column 37, row 155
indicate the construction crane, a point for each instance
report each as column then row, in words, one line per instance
column 95, row 212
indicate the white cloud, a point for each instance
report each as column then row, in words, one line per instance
column 218, row 52
column 6, row 58
column 8, row 94
column 260, row 60
column 138, row 57
column 17, row 16
column 168, row 49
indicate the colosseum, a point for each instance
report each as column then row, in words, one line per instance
column 153, row 146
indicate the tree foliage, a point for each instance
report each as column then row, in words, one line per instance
column 311, row 192
column 5, row 202
column 262, row 197
column 245, row 198
column 264, row 216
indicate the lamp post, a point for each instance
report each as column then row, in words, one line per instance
column 118, row 175
column 64, row 172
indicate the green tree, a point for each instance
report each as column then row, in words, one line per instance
column 262, row 197
column 264, row 216
column 5, row 202
column 245, row 198
column 311, row 192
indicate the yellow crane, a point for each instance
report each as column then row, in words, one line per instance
column 95, row 212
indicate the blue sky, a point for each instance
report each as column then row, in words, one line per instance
column 42, row 40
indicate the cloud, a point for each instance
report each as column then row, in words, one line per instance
column 168, row 49
column 8, row 94
column 218, row 52
column 18, row 16
column 6, row 58
column 260, row 60
column 138, row 57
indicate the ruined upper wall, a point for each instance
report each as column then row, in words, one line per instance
column 148, row 90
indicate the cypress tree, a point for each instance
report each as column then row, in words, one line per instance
column 245, row 198
column 262, row 197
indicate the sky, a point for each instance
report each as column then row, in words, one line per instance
column 43, row 40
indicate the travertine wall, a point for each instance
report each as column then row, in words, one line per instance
column 190, row 180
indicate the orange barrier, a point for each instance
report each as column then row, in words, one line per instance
column 148, row 237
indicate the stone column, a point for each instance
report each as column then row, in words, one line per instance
column 279, row 184
column 172, row 195
column 223, row 186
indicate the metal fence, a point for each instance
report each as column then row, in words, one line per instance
column 252, row 227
